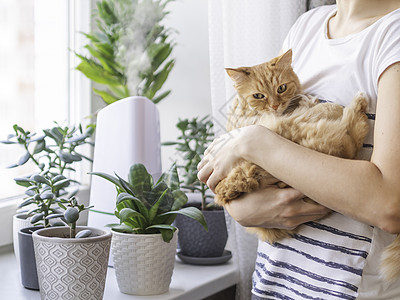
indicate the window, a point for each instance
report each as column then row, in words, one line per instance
column 38, row 83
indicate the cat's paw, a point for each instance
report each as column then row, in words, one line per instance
column 360, row 102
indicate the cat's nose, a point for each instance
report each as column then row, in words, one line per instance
column 275, row 107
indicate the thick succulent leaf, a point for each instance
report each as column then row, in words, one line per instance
column 140, row 179
column 26, row 202
column 23, row 181
column 39, row 179
column 62, row 183
column 191, row 212
column 47, row 195
column 36, row 218
column 39, row 147
column 24, row 158
column 180, row 199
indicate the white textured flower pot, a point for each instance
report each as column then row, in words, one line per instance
column 143, row 262
column 20, row 221
column 71, row 268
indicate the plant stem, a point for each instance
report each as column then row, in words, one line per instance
column 31, row 156
column 72, row 231
column 203, row 196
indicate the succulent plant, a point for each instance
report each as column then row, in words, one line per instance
column 145, row 207
column 196, row 135
column 53, row 152
column 72, row 209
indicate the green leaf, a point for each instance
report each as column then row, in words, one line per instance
column 37, row 217
column 39, row 147
column 139, row 179
column 160, row 97
column 171, row 178
column 121, row 228
column 97, row 73
column 191, row 212
column 128, row 213
column 62, row 183
column 26, row 202
column 24, row 158
column 161, row 228
column 154, row 209
column 110, row 178
column 39, row 179
column 180, row 199
column 22, row 181
column 107, row 97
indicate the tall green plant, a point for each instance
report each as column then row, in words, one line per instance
column 129, row 50
column 195, row 135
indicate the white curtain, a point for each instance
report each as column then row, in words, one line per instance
column 245, row 33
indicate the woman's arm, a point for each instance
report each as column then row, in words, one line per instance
column 368, row 191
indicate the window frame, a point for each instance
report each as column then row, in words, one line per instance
column 79, row 106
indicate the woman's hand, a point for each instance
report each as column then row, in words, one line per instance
column 225, row 152
column 272, row 207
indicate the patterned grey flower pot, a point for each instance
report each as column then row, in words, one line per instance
column 29, row 277
column 143, row 263
column 195, row 241
column 71, row 268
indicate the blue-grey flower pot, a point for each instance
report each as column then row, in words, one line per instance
column 29, row 278
column 195, row 241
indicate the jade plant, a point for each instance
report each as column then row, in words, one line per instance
column 145, row 207
column 54, row 153
column 195, row 135
column 129, row 50
column 72, row 209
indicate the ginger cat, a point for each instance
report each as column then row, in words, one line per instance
column 270, row 94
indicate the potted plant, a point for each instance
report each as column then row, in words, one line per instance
column 129, row 50
column 144, row 242
column 71, row 260
column 53, row 153
column 196, row 245
column 129, row 60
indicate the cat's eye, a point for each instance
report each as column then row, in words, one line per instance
column 282, row 88
column 258, row 96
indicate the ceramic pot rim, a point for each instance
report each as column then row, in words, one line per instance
column 46, row 234
column 21, row 231
column 153, row 235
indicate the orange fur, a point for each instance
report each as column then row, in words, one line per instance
column 270, row 94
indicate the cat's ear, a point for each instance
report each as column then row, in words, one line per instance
column 285, row 59
column 238, row 75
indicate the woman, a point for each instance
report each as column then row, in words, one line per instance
column 337, row 51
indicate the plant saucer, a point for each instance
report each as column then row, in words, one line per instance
column 226, row 255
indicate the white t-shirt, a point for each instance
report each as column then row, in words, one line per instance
column 337, row 257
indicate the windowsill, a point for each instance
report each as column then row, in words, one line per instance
column 188, row 282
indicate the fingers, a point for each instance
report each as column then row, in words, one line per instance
column 205, row 172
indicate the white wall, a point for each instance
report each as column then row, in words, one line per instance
column 190, row 78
